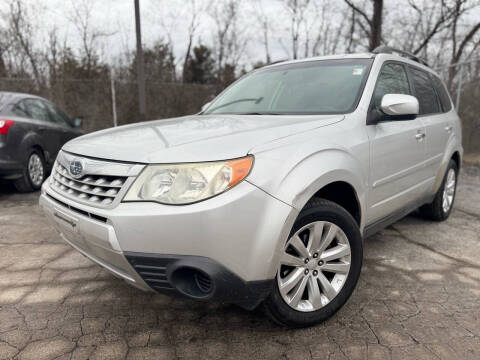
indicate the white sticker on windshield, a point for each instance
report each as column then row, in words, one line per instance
column 357, row 71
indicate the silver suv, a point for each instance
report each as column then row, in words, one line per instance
column 267, row 194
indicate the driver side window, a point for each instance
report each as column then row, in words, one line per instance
column 391, row 80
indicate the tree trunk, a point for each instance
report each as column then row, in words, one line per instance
column 376, row 25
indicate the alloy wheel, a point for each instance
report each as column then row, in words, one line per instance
column 449, row 191
column 314, row 266
column 35, row 169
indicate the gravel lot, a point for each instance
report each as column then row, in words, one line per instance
column 418, row 298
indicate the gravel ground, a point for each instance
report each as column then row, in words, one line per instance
column 418, row 298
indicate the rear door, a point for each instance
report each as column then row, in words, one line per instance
column 436, row 114
column 397, row 150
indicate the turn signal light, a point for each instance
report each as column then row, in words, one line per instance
column 240, row 169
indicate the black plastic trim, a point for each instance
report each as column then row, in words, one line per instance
column 77, row 210
column 226, row 287
column 381, row 224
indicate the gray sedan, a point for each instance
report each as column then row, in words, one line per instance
column 32, row 131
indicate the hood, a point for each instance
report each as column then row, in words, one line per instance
column 193, row 138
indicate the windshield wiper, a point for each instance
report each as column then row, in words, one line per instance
column 257, row 101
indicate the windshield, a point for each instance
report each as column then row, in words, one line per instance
column 313, row 87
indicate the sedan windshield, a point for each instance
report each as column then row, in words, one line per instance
column 313, row 87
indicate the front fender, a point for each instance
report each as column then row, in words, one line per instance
column 299, row 176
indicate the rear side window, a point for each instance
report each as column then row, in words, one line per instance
column 21, row 110
column 425, row 92
column 391, row 80
column 442, row 93
column 37, row 109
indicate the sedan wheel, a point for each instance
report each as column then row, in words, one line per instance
column 36, row 171
column 33, row 174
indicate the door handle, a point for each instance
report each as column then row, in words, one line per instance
column 419, row 136
column 448, row 128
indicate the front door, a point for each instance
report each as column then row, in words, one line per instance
column 397, row 151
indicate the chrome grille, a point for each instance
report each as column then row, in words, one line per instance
column 94, row 189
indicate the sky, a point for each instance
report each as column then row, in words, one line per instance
column 159, row 19
column 169, row 19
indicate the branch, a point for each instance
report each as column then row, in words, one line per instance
column 441, row 23
column 362, row 13
column 467, row 38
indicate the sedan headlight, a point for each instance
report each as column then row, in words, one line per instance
column 178, row 184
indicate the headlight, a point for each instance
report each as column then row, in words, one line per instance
column 178, row 184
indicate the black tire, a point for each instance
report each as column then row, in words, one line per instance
column 320, row 210
column 434, row 211
column 25, row 183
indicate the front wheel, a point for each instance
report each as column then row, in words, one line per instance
column 319, row 266
column 441, row 206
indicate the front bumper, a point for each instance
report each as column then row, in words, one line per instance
column 233, row 238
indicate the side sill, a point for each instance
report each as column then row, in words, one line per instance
column 382, row 223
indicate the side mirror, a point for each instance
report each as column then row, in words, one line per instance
column 399, row 106
column 205, row 107
column 76, row 122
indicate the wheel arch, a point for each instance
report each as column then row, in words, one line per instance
column 332, row 174
column 342, row 193
column 452, row 153
column 457, row 158
column 30, row 142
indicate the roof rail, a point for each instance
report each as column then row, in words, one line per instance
column 389, row 50
column 277, row 62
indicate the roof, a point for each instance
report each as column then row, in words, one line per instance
column 13, row 94
column 7, row 97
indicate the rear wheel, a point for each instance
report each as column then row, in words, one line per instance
column 319, row 266
column 33, row 175
column 441, row 206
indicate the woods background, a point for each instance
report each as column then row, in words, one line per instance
column 76, row 71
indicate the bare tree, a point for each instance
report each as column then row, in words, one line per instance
column 297, row 12
column 264, row 22
column 370, row 25
column 461, row 42
column 229, row 40
column 81, row 18
column 4, row 46
column 328, row 29
column 22, row 35
column 433, row 18
column 194, row 10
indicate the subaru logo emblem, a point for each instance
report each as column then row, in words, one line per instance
column 76, row 168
